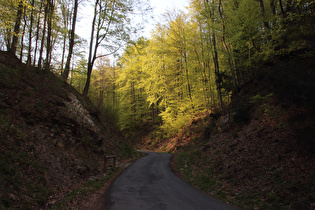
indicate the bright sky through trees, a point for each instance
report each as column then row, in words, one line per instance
column 159, row 7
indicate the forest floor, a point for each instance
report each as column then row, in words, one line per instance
column 258, row 153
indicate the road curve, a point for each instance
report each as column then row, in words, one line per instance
column 149, row 183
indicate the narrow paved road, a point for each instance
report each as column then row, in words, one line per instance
column 149, row 183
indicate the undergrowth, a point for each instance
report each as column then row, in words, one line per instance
column 91, row 186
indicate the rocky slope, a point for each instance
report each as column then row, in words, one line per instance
column 51, row 138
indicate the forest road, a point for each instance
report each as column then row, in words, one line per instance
column 149, row 183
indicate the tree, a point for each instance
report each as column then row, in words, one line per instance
column 71, row 41
column 133, row 106
column 226, row 46
column 43, row 35
column 109, row 30
column 37, row 32
column 29, row 56
column 16, row 31
column 50, row 13
column 103, row 84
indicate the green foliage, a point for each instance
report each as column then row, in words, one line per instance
column 78, row 75
column 259, row 99
column 174, row 120
column 172, row 72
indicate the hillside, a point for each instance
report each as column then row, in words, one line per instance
column 52, row 139
column 259, row 152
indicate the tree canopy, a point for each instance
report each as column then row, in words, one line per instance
column 191, row 63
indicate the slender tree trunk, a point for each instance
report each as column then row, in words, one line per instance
column 203, row 67
column 282, row 10
column 288, row 8
column 227, row 48
column 37, row 33
column 49, row 34
column 217, row 70
column 8, row 39
column 273, row 7
column 71, row 41
column 43, row 38
column 23, row 34
column 91, row 57
column 202, row 71
column 63, row 54
column 262, row 11
column 188, row 82
column 114, row 87
column 65, row 35
column 15, row 38
column 212, row 38
column 29, row 57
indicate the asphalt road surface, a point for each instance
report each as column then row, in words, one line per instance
column 149, row 184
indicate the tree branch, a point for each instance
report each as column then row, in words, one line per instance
column 108, row 53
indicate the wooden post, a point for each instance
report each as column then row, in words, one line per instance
column 107, row 158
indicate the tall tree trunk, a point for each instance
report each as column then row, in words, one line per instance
column 214, row 51
column 273, row 7
column 71, row 41
column 114, row 87
column 43, row 37
column 23, row 34
column 15, row 38
column 37, row 33
column 65, row 35
column 227, row 48
column 282, row 10
column 29, row 57
column 262, row 11
column 188, row 82
column 202, row 63
column 49, row 34
column 217, row 70
column 91, row 57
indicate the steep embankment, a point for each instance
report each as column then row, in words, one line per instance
column 259, row 153
column 51, row 139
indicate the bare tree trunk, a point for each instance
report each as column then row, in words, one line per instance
column 30, row 35
column 37, row 33
column 188, row 82
column 273, row 7
column 43, row 38
column 114, row 87
column 71, row 41
column 262, row 10
column 63, row 51
column 203, row 65
column 15, row 38
column 215, row 54
column 217, row 70
column 49, row 34
column 65, row 35
column 227, row 48
column 90, row 60
column 22, row 37
column 282, row 10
